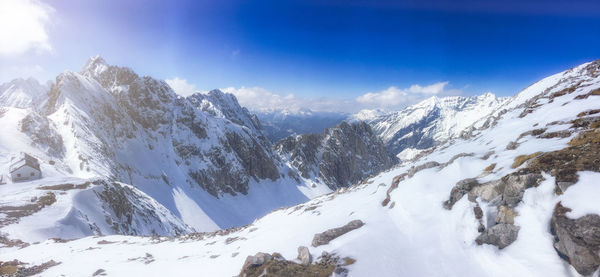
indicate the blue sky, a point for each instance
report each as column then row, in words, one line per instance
column 316, row 49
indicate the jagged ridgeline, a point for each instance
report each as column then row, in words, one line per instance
column 204, row 158
column 513, row 194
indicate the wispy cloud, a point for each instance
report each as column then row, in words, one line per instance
column 181, row 86
column 392, row 98
column 23, row 26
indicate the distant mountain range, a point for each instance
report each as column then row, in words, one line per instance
column 203, row 161
column 506, row 187
column 405, row 133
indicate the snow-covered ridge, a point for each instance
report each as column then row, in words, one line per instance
column 473, row 206
column 203, row 158
column 432, row 120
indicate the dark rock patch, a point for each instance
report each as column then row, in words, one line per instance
column 331, row 234
column 501, row 235
column 267, row 265
column 577, row 240
column 459, row 190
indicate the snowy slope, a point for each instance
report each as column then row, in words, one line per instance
column 407, row 230
column 202, row 158
column 431, row 121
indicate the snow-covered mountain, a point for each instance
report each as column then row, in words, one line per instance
column 201, row 162
column 429, row 122
column 513, row 195
column 22, row 93
column 278, row 124
column 339, row 157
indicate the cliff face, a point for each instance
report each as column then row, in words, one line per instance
column 340, row 157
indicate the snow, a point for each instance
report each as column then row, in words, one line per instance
column 415, row 237
column 437, row 118
column 192, row 214
column 409, row 154
column 583, row 198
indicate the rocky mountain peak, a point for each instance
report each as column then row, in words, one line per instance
column 342, row 156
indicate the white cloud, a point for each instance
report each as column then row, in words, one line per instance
column 257, row 98
column 181, row 86
column 23, row 25
column 394, row 97
column 261, row 99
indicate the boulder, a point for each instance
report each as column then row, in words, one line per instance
column 501, row 235
column 577, row 240
column 331, row 234
column 461, row 188
column 304, row 255
column 255, row 261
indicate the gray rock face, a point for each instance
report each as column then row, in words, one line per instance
column 516, row 184
column 304, row 255
column 506, row 215
column 461, row 188
column 331, row 234
column 505, row 193
column 39, row 130
column 577, row 240
column 501, row 235
column 340, row 157
column 487, row 191
column 219, row 162
column 509, row 189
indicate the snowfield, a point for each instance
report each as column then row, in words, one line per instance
column 407, row 230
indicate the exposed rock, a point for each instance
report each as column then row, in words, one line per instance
column 340, row 157
column 304, row 255
column 395, row 181
column 331, row 234
column 461, row 188
column 254, row 261
column 517, row 183
column 577, row 240
column 478, row 212
column 276, row 265
column 582, row 154
column 505, row 215
column 487, row 191
column 500, row 235
column 43, row 134
column 413, row 170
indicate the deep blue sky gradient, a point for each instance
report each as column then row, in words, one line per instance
column 338, row 49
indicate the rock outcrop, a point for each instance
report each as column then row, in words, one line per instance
column 331, row 234
column 501, row 235
column 340, row 157
column 304, row 255
column 263, row 264
column 505, row 194
column 577, row 240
